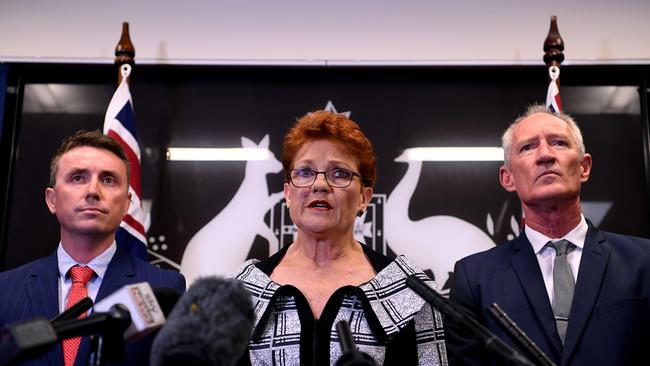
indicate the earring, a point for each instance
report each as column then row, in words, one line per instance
column 360, row 213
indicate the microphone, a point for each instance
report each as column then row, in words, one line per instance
column 74, row 311
column 490, row 341
column 146, row 315
column 140, row 300
column 37, row 335
column 20, row 339
column 519, row 336
column 211, row 325
column 32, row 338
column 351, row 355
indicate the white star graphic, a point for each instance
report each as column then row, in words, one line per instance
column 331, row 108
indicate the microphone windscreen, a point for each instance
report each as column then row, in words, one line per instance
column 210, row 325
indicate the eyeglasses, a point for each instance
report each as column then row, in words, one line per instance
column 337, row 177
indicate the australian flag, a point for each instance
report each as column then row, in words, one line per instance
column 119, row 124
column 553, row 101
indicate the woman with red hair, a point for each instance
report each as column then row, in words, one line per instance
column 325, row 275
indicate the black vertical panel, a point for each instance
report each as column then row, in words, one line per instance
column 397, row 107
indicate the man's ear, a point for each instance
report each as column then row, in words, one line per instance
column 128, row 203
column 585, row 167
column 50, row 199
column 506, row 179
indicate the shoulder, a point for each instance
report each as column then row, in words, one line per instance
column 156, row 276
column 632, row 247
column 27, row 269
column 494, row 255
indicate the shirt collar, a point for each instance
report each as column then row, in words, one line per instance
column 577, row 236
column 99, row 264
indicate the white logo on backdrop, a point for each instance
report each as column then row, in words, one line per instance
column 224, row 242
column 434, row 242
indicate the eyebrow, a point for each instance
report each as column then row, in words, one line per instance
column 106, row 172
column 547, row 136
column 78, row 171
column 331, row 164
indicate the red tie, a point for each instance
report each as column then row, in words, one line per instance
column 80, row 277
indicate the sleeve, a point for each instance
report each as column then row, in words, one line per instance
column 463, row 348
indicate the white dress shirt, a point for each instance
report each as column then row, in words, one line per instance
column 99, row 264
column 546, row 255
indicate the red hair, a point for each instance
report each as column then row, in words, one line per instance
column 323, row 125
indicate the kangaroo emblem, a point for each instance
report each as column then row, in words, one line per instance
column 223, row 243
column 434, row 242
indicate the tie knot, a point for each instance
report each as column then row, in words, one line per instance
column 81, row 274
column 561, row 247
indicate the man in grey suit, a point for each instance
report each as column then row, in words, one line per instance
column 581, row 294
column 88, row 194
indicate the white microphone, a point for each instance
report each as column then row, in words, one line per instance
column 140, row 300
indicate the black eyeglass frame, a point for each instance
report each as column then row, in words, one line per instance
column 324, row 173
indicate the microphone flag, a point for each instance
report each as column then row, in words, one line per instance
column 140, row 300
column 120, row 125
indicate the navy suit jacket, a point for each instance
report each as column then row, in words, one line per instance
column 609, row 323
column 32, row 290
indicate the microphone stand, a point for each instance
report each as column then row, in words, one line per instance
column 351, row 356
column 519, row 336
column 488, row 339
column 108, row 345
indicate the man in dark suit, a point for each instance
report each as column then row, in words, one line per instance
column 603, row 318
column 89, row 195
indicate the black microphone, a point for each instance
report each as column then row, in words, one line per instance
column 519, row 336
column 36, row 336
column 147, row 309
column 488, row 339
column 211, row 325
column 27, row 337
column 74, row 311
column 32, row 338
column 116, row 319
column 351, row 356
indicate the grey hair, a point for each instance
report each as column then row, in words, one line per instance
column 506, row 139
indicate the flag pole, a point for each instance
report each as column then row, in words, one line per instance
column 124, row 52
column 553, row 57
column 554, row 47
column 119, row 123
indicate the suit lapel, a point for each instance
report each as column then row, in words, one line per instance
column 43, row 291
column 119, row 270
column 590, row 276
column 524, row 263
column 118, row 273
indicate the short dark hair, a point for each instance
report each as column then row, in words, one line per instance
column 334, row 127
column 92, row 139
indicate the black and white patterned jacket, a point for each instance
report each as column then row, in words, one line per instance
column 388, row 321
